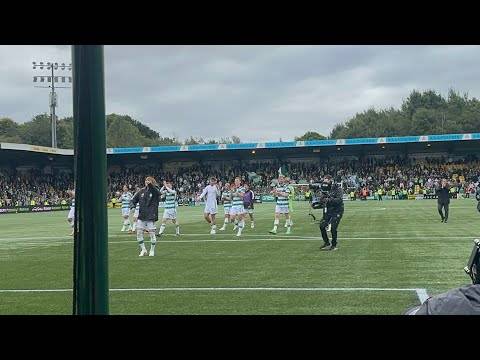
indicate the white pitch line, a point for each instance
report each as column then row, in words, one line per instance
column 422, row 295
column 420, row 292
column 270, row 237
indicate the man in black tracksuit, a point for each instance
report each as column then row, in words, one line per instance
column 332, row 196
column 148, row 199
column 443, row 196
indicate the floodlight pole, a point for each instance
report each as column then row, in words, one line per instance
column 53, row 104
column 53, row 96
column 90, row 264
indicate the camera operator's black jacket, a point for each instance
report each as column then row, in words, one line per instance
column 148, row 199
column 443, row 194
column 334, row 199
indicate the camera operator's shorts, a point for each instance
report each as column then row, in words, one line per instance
column 210, row 209
column 146, row 225
column 125, row 212
column 71, row 213
column 282, row 209
column 170, row 214
column 236, row 210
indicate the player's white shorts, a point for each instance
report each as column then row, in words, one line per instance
column 146, row 225
column 125, row 212
column 237, row 209
column 170, row 214
column 209, row 209
column 71, row 213
column 226, row 209
column 282, row 209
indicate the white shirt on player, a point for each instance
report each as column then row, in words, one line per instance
column 210, row 192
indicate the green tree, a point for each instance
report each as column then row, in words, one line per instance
column 37, row 131
column 122, row 133
column 9, row 131
column 310, row 135
column 65, row 133
column 194, row 141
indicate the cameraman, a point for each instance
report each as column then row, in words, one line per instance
column 331, row 198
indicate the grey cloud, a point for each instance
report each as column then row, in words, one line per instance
column 259, row 93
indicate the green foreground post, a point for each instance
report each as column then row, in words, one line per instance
column 90, row 264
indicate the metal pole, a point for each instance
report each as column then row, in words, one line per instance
column 52, row 112
column 90, row 295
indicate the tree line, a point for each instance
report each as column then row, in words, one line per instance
column 122, row 131
column 421, row 113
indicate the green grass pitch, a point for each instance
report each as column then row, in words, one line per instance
column 386, row 251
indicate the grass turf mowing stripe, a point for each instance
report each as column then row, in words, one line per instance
column 421, row 293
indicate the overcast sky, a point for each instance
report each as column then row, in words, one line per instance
column 258, row 93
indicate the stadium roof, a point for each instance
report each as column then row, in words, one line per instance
column 253, row 146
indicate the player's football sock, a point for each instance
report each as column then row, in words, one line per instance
column 240, row 227
column 134, row 227
column 252, row 225
column 162, row 229
column 213, row 229
column 153, row 242
column 275, row 226
column 177, row 229
column 289, row 229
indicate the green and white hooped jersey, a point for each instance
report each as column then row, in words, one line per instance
column 282, row 200
column 170, row 199
column 125, row 198
column 237, row 200
column 226, row 197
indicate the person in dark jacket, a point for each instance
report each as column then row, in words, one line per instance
column 331, row 195
column 443, row 199
column 148, row 199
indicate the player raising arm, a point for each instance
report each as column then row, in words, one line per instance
column 135, row 213
column 210, row 193
column 125, row 198
column 237, row 211
column 148, row 199
column 170, row 209
column 71, row 213
column 227, row 204
column 281, row 192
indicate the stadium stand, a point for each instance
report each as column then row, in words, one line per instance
column 402, row 167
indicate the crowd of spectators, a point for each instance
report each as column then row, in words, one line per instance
column 33, row 187
column 363, row 177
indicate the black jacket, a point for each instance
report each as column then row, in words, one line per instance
column 148, row 199
column 334, row 199
column 443, row 194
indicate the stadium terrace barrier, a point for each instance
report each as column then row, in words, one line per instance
column 252, row 146
column 27, row 209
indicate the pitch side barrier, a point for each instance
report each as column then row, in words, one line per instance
column 32, row 209
column 258, row 145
